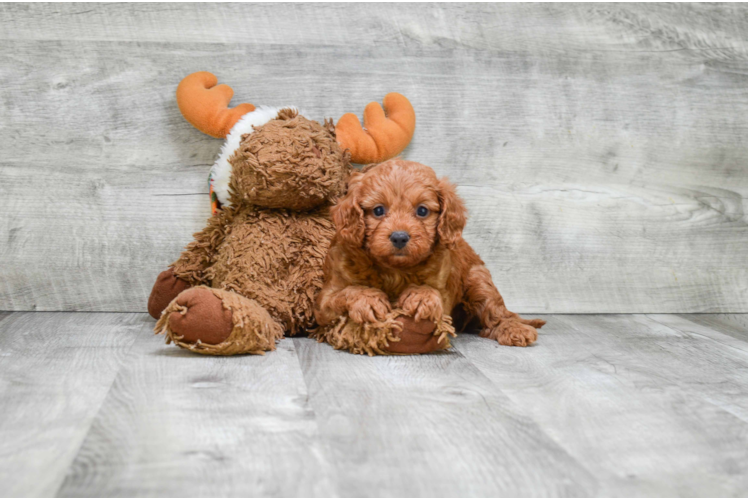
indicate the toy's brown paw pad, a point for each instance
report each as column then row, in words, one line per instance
column 416, row 337
column 167, row 287
column 205, row 319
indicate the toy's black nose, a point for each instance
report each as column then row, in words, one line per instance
column 399, row 239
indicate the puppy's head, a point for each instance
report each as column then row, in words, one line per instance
column 398, row 211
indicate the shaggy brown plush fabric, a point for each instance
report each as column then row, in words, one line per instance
column 294, row 163
column 263, row 254
column 273, row 256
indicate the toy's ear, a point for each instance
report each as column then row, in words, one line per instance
column 205, row 104
column 385, row 134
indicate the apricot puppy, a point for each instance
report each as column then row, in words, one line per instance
column 398, row 244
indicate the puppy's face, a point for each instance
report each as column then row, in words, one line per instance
column 398, row 211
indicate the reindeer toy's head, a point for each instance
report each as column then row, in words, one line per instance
column 252, row 274
column 276, row 158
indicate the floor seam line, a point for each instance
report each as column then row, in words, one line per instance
column 98, row 409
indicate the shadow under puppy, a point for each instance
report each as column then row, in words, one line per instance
column 398, row 268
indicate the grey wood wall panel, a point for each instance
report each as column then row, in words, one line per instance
column 600, row 148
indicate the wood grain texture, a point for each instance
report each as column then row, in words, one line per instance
column 176, row 423
column 94, row 405
column 600, row 147
column 55, row 371
column 402, row 426
column 651, row 406
column 735, row 325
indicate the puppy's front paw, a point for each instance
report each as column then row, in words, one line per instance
column 512, row 333
column 369, row 307
column 422, row 303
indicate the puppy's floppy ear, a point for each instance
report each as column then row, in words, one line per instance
column 349, row 216
column 453, row 215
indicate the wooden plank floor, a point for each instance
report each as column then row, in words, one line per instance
column 94, row 405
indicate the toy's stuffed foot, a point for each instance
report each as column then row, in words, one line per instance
column 417, row 337
column 397, row 334
column 202, row 318
column 165, row 289
column 218, row 322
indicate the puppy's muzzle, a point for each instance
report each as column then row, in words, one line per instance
column 399, row 239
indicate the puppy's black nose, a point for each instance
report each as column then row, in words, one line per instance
column 399, row 239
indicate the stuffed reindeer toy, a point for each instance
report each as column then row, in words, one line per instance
column 252, row 274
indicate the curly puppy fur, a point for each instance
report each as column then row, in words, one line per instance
column 264, row 253
column 369, row 272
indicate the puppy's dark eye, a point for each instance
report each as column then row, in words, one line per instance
column 378, row 211
column 422, row 211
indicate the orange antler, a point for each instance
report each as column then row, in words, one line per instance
column 205, row 104
column 384, row 135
